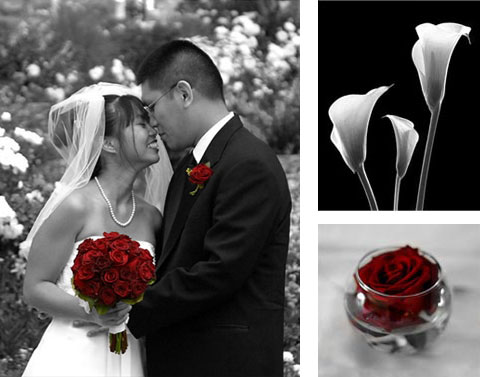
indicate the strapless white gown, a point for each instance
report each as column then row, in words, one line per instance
column 66, row 351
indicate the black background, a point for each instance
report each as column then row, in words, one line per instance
column 364, row 45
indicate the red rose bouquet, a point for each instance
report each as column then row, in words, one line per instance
column 396, row 286
column 111, row 269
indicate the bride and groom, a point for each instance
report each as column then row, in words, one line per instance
column 220, row 242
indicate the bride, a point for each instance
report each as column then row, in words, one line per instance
column 116, row 179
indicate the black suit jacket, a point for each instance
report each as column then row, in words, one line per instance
column 216, row 308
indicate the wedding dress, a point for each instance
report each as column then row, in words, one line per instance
column 66, row 351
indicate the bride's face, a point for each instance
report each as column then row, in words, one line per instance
column 139, row 145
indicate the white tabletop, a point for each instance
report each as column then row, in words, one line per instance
column 344, row 353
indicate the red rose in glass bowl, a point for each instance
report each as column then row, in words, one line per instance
column 398, row 299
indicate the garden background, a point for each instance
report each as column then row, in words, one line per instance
column 51, row 48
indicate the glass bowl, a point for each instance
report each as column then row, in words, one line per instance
column 399, row 301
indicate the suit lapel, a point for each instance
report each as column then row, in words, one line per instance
column 186, row 201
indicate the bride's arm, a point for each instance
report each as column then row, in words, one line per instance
column 50, row 252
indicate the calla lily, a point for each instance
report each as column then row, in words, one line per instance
column 350, row 116
column 431, row 55
column 406, row 138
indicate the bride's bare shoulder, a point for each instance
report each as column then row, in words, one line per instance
column 152, row 213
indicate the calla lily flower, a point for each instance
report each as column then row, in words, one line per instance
column 431, row 56
column 406, row 138
column 350, row 116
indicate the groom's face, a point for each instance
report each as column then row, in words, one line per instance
column 167, row 116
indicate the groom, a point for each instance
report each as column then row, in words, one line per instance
column 216, row 308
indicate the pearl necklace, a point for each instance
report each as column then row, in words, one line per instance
column 111, row 208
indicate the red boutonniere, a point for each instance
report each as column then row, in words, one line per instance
column 199, row 175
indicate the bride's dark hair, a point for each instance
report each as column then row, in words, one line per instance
column 120, row 112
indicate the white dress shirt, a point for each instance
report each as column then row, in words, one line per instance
column 207, row 138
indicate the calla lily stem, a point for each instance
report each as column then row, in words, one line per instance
column 435, row 112
column 396, row 195
column 367, row 188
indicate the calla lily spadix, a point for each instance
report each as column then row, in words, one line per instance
column 350, row 116
column 431, row 55
column 406, row 139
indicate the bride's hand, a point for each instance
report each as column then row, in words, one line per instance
column 114, row 317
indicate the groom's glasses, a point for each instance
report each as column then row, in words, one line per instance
column 151, row 107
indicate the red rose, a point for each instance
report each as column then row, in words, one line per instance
column 102, row 262
column 101, row 244
column 107, row 296
column 127, row 273
column 86, row 245
column 85, row 272
column 112, row 236
column 199, row 174
column 121, row 288
column 134, row 248
column 110, row 276
column 77, row 263
column 394, row 275
column 91, row 256
column 119, row 257
column 120, row 244
column 91, row 288
column 79, row 284
column 146, row 271
column 138, row 288
column 145, row 255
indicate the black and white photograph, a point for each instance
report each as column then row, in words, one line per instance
column 398, row 300
column 398, row 105
column 149, row 188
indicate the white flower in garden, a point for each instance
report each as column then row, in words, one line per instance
column 244, row 50
column 24, row 248
column 117, row 70
column 16, row 161
column 55, row 94
column 28, row 136
column 129, row 75
column 7, row 143
column 9, row 226
column 289, row 26
column 249, row 26
column 72, row 77
column 252, row 42
column 281, row 36
column 60, row 78
column 6, row 117
column 20, row 185
column 258, row 93
column 287, row 357
column 431, row 55
column 35, row 195
column 296, row 368
column 237, row 37
column 250, row 64
column 237, row 86
column 257, row 81
column 222, row 20
column 225, row 66
column 221, row 32
column 33, row 70
column 350, row 116
column 96, row 73
column 6, row 212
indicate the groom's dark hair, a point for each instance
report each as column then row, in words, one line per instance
column 182, row 60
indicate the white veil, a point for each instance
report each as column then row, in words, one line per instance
column 76, row 128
